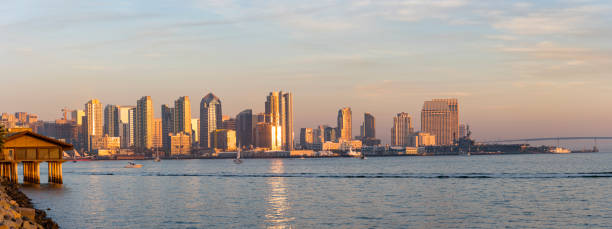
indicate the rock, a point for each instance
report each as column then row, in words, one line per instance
column 17, row 211
column 30, row 213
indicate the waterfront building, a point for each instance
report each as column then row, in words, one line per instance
column 342, row 145
column 268, row 136
column 279, row 112
column 157, row 141
column 127, row 125
column 345, row 125
column 77, row 116
column 105, row 142
column 244, row 128
column 210, row 119
column 195, row 131
column 318, row 134
column 182, row 115
column 93, row 117
column 330, row 134
column 368, row 127
column 168, row 125
column 229, row 123
column 306, row 138
column 180, row 144
column 422, row 139
column 144, row 124
column 368, row 131
column 440, row 117
column 401, row 130
column 224, row 140
column 111, row 120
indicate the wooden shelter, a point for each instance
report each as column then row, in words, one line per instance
column 31, row 149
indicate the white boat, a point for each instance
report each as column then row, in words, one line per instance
column 133, row 165
column 352, row 153
column 237, row 159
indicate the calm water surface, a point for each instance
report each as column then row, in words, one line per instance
column 543, row 191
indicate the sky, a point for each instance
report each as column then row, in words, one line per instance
column 519, row 68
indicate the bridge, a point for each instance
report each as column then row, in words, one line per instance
column 548, row 139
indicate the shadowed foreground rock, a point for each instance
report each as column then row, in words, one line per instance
column 16, row 209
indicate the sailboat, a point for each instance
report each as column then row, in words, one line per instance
column 157, row 159
column 237, row 159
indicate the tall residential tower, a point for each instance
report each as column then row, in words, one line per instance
column 210, row 119
column 144, row 123
column 345, row 124
column 401, row 130
column 279, row 111
column 440, row 117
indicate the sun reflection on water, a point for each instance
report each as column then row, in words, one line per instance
column 277, row 211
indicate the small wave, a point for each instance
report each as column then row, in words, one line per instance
column 370, row 175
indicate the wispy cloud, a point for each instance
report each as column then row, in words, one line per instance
column 573, row 20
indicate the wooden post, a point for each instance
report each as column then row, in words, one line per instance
column 14, row 176
column 36, row 171
column 25, row 172
column 50, row 174
column 60, row 179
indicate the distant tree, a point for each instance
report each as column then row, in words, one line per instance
column 2, row 135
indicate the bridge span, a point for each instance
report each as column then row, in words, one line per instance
column 547, row 139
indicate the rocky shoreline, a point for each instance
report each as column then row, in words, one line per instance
column 17, row 210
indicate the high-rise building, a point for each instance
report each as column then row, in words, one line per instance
column 244, row 128
column 369, row 126
column 9, row 120
column 210, row 118
column 195, row 131
column 111, row 120
column 224, row 140
column 318, row 135
column 93, row 114
column 168, row 125
column 144, row 124
column 330, row 134
column 401, row 130
column 279, row 112
column 306, row 138
column 266, row 136
column 440, row 117
column 77, row 116
column 345, row 125
column 22, row 117
column 127, row 115
column 228, row 123
column 182, row 115
column 157, row 133
column 130, row 128
column 180, row 144
column 32, row 118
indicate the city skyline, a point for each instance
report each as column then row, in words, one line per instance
column 382, row 57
